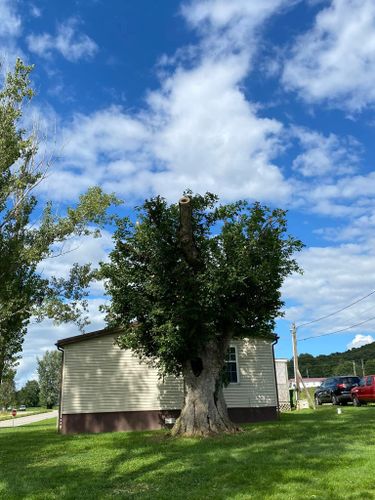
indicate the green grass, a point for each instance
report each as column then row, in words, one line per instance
column 305, row 455
column 30, row 411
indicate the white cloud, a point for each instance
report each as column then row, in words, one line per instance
column 325, row 155
column 335, row 60
column 43, row 336
column 360, row 340
column 35, row 11
column 198, row 130
column 177, row 142
column 68, row 41
column 10, row 25
column 10, row 31
column 333, row 278
column 230, row 26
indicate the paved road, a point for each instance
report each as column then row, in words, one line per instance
column 29, row 419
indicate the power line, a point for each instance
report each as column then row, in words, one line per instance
column 336, row 312
column 338, row 331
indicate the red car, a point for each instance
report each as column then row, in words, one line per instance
column 364, row 392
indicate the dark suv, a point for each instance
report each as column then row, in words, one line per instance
column 336, row 390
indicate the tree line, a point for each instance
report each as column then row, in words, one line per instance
column 43, row 392
column 338, row 363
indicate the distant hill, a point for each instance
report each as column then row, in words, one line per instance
column 337, row 363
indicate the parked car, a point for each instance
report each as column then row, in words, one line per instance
column 336, row 390
column 22, row 408
column 364, row 392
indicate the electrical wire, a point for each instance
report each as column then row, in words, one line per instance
column 338, row 331
column 335, row 312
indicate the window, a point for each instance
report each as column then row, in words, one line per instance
column 231, row 365
column 369, row 381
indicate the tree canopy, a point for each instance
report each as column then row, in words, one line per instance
column 185, row 278
column 49, row 376
column 29, row 232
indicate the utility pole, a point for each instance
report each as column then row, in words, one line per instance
column 297, row 375
column 354, row 368
column 363, row 368
column 295, row 360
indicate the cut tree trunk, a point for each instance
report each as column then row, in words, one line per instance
column 205, row 411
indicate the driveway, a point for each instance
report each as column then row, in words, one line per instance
column 29, row 419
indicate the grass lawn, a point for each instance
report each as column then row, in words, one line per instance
column 305, row 455
column 30, row 411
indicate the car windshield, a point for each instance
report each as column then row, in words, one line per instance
column 349, row 380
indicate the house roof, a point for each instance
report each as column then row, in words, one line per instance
column 102, row 333
column 87, row 336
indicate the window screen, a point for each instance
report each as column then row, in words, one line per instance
column 231, row 365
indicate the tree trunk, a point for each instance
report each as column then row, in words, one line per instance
column 205, row 411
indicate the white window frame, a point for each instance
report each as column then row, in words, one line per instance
column 237, row 365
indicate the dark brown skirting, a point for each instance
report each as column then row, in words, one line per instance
column 146, row 420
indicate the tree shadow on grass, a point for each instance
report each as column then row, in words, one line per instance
column 305, row 455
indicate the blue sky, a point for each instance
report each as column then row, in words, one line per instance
column 270, row 101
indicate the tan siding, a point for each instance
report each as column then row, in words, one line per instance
column 100, row 377
column 256, row 386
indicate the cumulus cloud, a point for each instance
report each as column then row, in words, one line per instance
column 360, row 340
column 10, row 31
column 43, row 336
column 335, row 60
column 10, row 24
column 333, row 278
column 197, row 130
column 325, row 155
column 68, row 41
column 230, row 26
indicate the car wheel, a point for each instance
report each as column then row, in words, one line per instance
column 335, row 400
column 317, row 401
column 356, row 401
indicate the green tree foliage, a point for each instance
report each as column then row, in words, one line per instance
column 8, row 390
column 30, row 233
column 29, row 394
column 370, row 367
column 181, row 293
column 332, row 364
column 49, row 374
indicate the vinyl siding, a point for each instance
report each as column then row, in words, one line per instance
column 256, row 385
column 282, row 380
column 100, row 377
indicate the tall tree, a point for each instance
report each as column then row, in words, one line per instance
column 8, row 390
column 187, row 278
column 29, row 394
column 30, row 233
column 49, row 374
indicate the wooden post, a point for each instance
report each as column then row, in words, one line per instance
column 295, row 360
column 363, row 368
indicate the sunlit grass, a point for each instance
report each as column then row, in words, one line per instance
column 305, row 455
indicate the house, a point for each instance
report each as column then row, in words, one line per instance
column 308, row 381
column 105, row 388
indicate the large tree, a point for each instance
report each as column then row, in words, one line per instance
column 30, row 233
column 49, row 375
column 29, row 394
column 185, row 279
